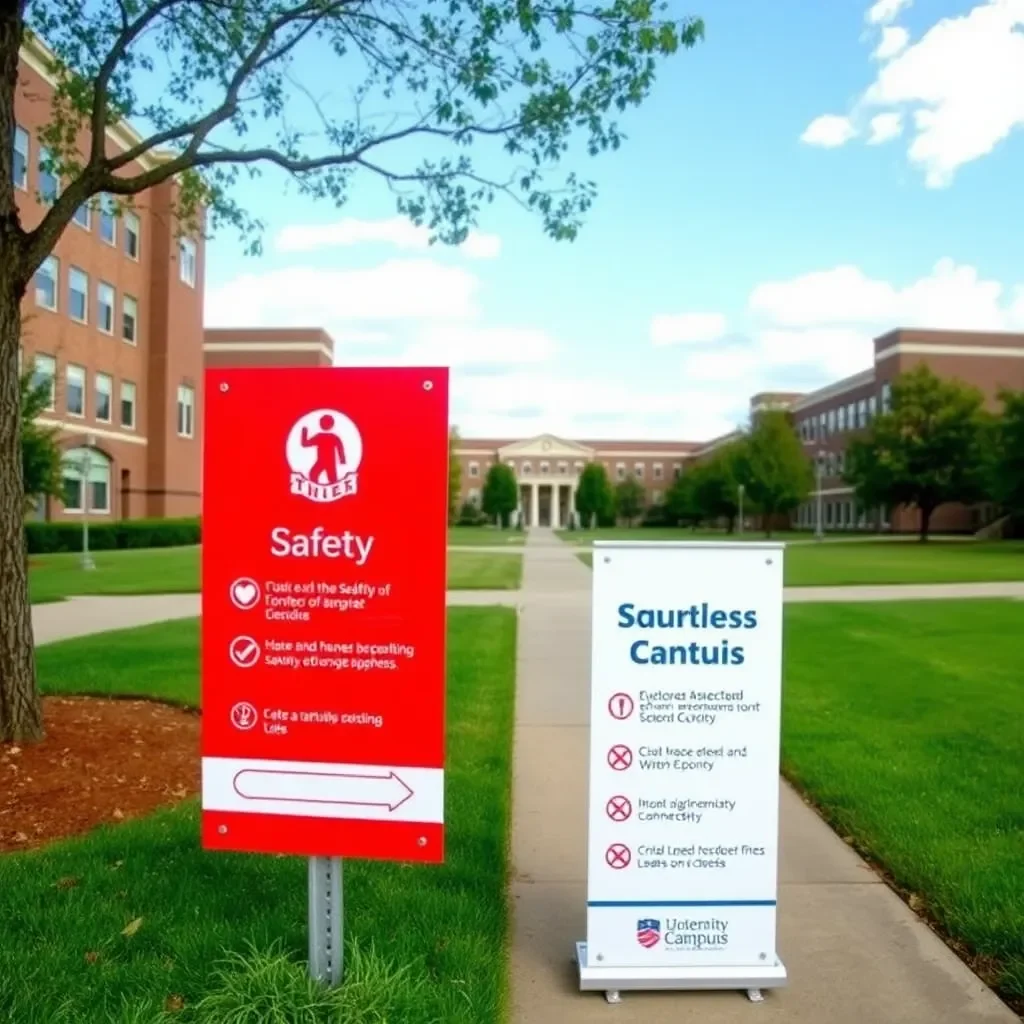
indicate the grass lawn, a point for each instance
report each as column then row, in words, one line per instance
column 903, row 723
column 134, row 571
column 468, row 570
column 474, row 536
column 587, row 537
column 176, row 570
column 226, row 932
column 866, row 562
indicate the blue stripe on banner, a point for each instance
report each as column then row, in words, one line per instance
column 681, row 903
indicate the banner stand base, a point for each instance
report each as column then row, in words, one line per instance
column 613, row 980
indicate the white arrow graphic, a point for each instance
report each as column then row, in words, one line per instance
column 362, row 790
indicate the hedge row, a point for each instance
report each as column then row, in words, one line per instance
column 44, row 538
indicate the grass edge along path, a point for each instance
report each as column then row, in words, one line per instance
column 901, row 725
column 882, row 563
column 134, row 924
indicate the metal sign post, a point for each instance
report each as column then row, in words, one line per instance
column 326, row 924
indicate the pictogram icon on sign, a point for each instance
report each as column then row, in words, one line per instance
column 244, row 651
column 244, row 593
column 620, row 706
column 620, row 757
column 243, row 715
column 618, row 856
column 618, row 808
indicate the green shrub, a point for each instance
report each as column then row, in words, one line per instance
column 471, row 515
column 45, row 538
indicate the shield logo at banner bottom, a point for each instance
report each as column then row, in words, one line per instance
column 648, row 932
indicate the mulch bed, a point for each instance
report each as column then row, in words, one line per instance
column 103, row 761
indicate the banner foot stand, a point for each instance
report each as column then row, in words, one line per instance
column 326, row 930
column 613, row 981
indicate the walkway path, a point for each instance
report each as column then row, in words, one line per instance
column 854, row 951
column 79, row 616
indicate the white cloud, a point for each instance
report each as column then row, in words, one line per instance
column 894, row 40
column 829, row 131
column 951, row 296
column 884, row 11
column 961, row 86
column 829, row 352
column 304, row 296
column 397, row 231
column 885, row 127
column 525, row 403
column 687, row 328
column 471, row 347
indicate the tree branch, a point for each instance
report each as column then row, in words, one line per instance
column 129, row 33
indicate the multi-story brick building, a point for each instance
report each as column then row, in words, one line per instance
column 113, row 325
column 547, row 469
column 827, row 419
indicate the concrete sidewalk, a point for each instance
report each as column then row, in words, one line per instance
column 79, row 616
column 855, row 953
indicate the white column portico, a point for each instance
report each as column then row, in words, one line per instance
column 534, row 505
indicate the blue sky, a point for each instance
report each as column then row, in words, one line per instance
column 811, row 175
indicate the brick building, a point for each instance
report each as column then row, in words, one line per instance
column 113, row 325
column 267, row 346
column 827, row 419
column 547, row 469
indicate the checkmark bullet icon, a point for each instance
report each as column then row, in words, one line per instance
column 244, row 651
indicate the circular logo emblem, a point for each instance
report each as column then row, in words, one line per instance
column 324, row 450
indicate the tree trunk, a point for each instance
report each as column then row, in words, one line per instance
column 21, row 717
column 926, row 519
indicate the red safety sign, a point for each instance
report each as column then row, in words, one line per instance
column 325, row 495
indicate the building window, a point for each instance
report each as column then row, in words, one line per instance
column 47, row 286
column 187, row 261
column 862, row 413
column 127, row 405
column 74, row 390
column 105, row 307
column 872, row 408
column 886, row 396
column 544, row 467
column 821, row 426
column 108, row 219
column 132, row 235
column 831, row 422
column 527, row 467
column 677, row 471
column 104, row 397
column 655, row 497
column 841, row 423
column 659, row 471
column 563, row 468
column 86, row 477
column 511, row 464
column 186, row 411
column 129, row 319
column 49, row 184
column 44, row 375
column 620, row 471
column 474, row 469
column 577, row 466
column 78, row 295
column 828, row 513
column 474, row 496
column 19, row 165
column 83, row 216
column 638, row 470
column 851, row 416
